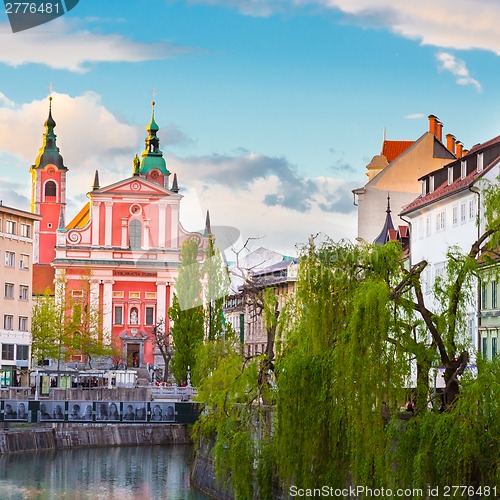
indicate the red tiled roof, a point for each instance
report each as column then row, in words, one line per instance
column 43, row 278
column 441, row 192
column 403, row 231
column 392, row 234
column 491, row 142
column 392, row 149
column 446, row 189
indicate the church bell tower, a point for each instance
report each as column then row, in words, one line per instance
column 48, row 193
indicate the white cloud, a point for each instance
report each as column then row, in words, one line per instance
column 256, row 194
column 62, row 45
column 279, row 228
column 88, row 135
column 256, row 8
column 457, row 67
column 458, row 24
column 414, row 116
column 5, row 101
column 271, row 200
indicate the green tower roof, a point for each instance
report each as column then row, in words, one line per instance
column 49, row 152
column 152, row 157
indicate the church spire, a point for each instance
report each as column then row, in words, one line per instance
column 208, row 227
column 49, row 152
column 152, row 157
column 381, row 239
column 96, row 185
column 175, row 186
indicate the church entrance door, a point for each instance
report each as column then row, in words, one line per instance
column 133, row 355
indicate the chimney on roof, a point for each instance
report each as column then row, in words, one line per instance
column 450, row 142
column 439, row 133
column 464, row 152
column 459, row 149
column 433, row 121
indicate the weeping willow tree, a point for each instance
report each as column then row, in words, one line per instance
column 216, row 289
column 361, row 324
column 236, row 392
column 359, row 341
column 342, row 370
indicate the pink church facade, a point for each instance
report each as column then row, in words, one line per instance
column 123, row 246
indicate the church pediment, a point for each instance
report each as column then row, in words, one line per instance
column 133, row 186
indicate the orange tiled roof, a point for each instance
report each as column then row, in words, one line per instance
column 392, row 234
column 403, row 231
column 81, row 219
column 43, row 278
column 392, row 149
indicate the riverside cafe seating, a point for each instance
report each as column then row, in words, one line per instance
column 44, row 379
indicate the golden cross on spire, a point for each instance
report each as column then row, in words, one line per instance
column 153, row 93
column 51, row 89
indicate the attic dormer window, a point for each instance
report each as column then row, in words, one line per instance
column 424, row 190
column 431, row 184
column 480, row 162
column 450, row 176
column 463, row 169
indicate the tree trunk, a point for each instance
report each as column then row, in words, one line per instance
column 451, row 373
column 422, row 386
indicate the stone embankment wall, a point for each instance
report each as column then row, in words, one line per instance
column 203, row 474
column 37, row 439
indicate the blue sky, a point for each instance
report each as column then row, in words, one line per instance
column 268, row 110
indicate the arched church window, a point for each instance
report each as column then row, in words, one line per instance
column 135, row 234
column 134, row 316
column 50, row 189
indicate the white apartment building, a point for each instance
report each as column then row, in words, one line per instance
column 446, row 214
column 16, row 261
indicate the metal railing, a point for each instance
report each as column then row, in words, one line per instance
column 173, row 392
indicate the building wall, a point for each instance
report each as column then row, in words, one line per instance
column 255, row 333
column 400, row 180
column 489, row 329
column 16, row 261
column 448, row 222
column 121, row 276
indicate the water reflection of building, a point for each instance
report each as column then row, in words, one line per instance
column 123, row 472
column 122, row 249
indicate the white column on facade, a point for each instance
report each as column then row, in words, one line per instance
column 108, row 228
column 161, row 301
column 124, row 232
column 96, row 208
column 107, row 306
column 162, row 221
column 174, row 228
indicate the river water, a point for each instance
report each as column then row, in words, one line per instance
column 120, row 473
